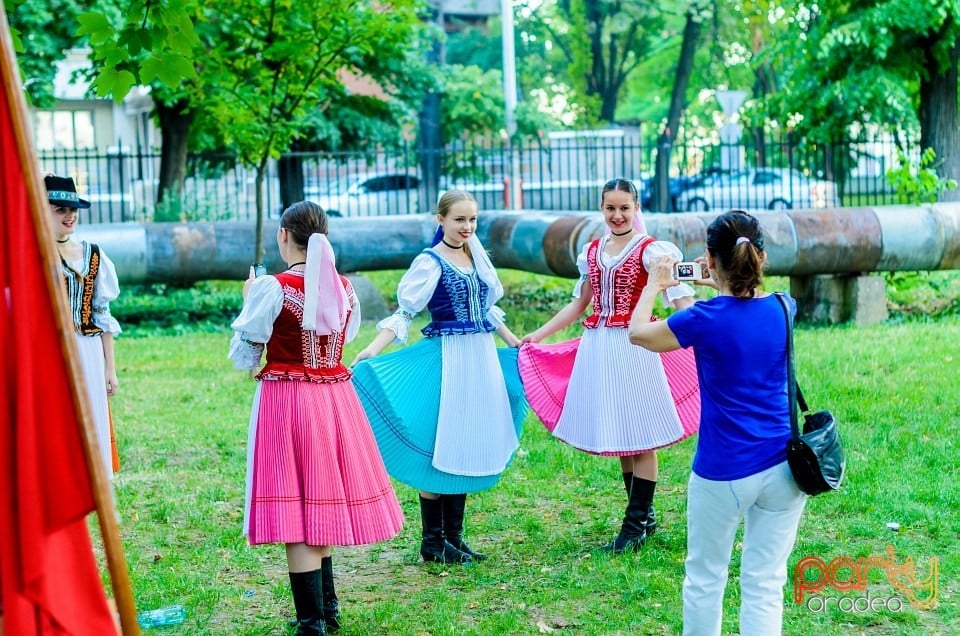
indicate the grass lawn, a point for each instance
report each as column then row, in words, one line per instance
column 182, row 415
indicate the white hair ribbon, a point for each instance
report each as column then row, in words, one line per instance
column 742, row 239
column 325, row 302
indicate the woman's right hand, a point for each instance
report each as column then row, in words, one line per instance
column 710, row 280
column 531, row 338
column 246, row 284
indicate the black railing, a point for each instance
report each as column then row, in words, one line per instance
column 561, row 172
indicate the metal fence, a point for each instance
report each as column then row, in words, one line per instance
column 559, row 172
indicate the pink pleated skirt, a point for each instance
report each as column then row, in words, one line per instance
column 605, row 396
column 314, row 473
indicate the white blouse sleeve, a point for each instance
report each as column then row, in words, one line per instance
column 413, row 293
column 353, row 322
column 496, row 316
column 665, row 248
column 584, row 270
column 254, row 326
column 106, row 288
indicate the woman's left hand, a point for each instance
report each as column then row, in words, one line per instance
column 661, row 272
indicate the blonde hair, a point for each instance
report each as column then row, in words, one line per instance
column 450, row 197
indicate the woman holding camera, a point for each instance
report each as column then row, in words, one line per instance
column 739, row 470
column 600, row 394
column 314, row 473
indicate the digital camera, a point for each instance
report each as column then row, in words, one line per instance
column 690, row 271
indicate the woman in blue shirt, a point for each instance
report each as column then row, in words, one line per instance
column 740, row 470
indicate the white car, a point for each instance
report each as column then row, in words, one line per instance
column 368, row 194
column 759, row 189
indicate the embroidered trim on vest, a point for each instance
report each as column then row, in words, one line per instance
column 80, row 288
column 616, row 289
column 457, row 304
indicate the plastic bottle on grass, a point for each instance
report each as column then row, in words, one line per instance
column 172, row 615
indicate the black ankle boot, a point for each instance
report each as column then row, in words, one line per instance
column 633, row 531
column 331, row 606
column 307, row 590
column 453, row 510
column 433, row 547
column 650, row 523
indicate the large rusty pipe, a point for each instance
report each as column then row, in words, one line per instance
column 799, row 242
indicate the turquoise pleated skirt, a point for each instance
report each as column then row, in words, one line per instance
column 401, row 394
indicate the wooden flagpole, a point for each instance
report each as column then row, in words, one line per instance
column 103, row 498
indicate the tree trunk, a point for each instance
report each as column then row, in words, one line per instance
column 939, row 119
column 431, row 136
column 175, row 120
column 290, row 173
column 608, row 103
column 258, row 251
column 688, row 48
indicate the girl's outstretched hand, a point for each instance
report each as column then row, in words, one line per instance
column 530, row 338
column 363, row 355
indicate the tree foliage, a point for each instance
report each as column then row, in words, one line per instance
column 141, row 42
column 275, row 63
column 602, row 41
column 877, row 63
column 43, row 31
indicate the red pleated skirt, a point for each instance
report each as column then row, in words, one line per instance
column 314, row 472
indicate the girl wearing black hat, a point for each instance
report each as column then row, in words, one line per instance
column 91, row 282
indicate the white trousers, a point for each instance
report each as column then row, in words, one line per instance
column 770, row 505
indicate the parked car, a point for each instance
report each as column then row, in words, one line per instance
column 676, row 186
column 368, row 194
column 759, row 188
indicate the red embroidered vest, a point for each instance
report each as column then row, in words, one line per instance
column 295, row 354
column 616, row 289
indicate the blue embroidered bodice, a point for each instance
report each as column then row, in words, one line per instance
column 458, row 305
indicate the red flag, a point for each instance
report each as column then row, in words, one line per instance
column 49, row 581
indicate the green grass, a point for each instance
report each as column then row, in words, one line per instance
column 182, row 414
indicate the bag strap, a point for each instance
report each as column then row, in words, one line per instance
column 794, row 394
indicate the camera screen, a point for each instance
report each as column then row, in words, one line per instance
column 685, row 270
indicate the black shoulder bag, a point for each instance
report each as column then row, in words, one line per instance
column 815, row 457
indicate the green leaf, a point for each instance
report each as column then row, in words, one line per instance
column 15, row 40
column 150, row 69
column 105, row 81
column 93, row 23
column 173, row 69
column 125, row 81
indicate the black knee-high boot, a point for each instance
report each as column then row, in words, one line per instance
column 307, row 590
column 633, row 531
column 627, row 480
column 433, row 547
column 331, row 606
column 453, row 511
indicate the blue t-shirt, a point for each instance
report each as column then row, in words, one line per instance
column 741, row 348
